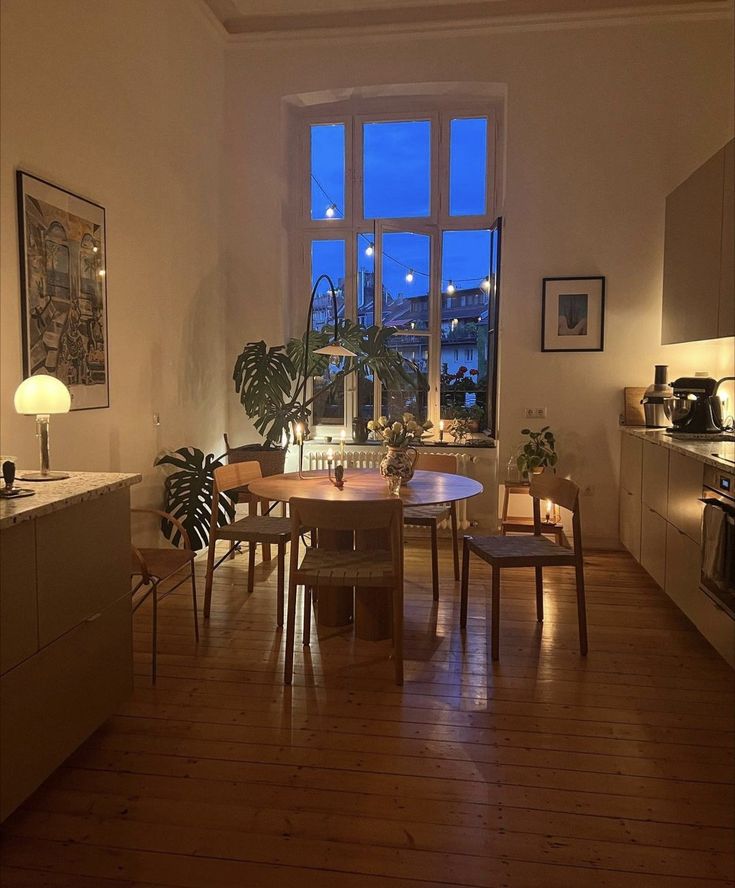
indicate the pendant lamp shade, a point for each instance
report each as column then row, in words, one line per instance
column 335, row 350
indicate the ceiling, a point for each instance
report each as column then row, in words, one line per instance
column 273, row 16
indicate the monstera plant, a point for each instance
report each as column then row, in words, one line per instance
column 188, row 495
column 272, row 383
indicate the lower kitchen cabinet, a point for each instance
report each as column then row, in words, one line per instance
column 630, row 522
column 653, row 544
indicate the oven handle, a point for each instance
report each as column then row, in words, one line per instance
column 725, row 504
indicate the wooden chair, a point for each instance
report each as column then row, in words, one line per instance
column 530, row 551
column 430, row 516
column 252, row 529
column 361, row 568
column 155, row 566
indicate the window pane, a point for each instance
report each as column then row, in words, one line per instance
column 397, row 169
column 328, row 257
column 466, row 297
column 468, row 166
column 365, row 253
column 406, row 283
column 399, row 400
column 328, row 171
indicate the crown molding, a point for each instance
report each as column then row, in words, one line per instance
column 214, row 23
column 665, row 12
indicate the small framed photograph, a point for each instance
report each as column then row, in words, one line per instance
column 573, row 314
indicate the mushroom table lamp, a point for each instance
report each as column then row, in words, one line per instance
column 40, row 396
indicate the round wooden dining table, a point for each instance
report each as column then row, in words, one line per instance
column 369, row 609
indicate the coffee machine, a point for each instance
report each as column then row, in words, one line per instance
column 694, row 408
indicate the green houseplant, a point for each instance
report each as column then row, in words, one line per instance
column 272, row 381
column 537, row 453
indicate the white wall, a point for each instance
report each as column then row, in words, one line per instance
column 602, row 123
column 121, row 101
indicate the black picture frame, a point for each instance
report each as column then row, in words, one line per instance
column 587, row 301
column 64, row 316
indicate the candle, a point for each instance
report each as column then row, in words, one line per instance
column 299, row 433
column 548, row 506
column 330, row 455
column 342, row 436
column 441, row 430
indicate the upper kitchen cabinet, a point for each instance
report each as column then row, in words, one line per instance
column 698, row 292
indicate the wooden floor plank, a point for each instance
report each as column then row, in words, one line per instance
column 546, row 769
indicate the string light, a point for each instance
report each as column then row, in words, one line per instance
column 486, row 285
column 409, row 276
column 330, row 211
column 450, row 288
column 370, row 249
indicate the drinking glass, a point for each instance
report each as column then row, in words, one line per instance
column 394, row 484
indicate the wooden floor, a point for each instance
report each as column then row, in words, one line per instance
column 545, row 770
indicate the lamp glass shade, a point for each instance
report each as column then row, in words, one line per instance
column 335, row 350
column 41, row 394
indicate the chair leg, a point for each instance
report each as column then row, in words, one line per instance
column 208, row 581
column 154, row 655
column 465, row 585
column 495, row 616
column 434, row 561
column 581, row 608
column 398, row 634
column 194, row 602
column 251, row 568
column 540, row 594
column 279, row 583
column 455, row 540
column 307, row 615
column 290, row 632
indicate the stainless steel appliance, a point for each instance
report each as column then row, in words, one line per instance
column 655, row 399
column 718, row 538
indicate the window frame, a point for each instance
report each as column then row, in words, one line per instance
column 306, row 229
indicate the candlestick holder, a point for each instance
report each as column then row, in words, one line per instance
column 338, row 479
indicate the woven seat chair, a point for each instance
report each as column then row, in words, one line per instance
column 530, row 551
column 430, row 516
column 155, row 566
column 252, row 529
column 362, row 568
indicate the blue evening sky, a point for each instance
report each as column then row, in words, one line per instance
column 397, row 165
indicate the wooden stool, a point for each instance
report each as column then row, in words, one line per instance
column 519, row 524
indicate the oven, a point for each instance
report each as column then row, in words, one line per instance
column 718, row 538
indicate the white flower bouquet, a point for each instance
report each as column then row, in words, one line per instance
column 401, row 432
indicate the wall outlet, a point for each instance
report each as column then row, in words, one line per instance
column 535, row 412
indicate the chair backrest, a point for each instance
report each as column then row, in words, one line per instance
column 236, row 475
column 341, row 515
column 437, row 462
column 562, row 492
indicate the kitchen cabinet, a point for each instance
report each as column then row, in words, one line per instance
column 631, row 464
column 684, row 509
column 655, row 486
column 630, row 522
column 698, row 254
column 653, row 545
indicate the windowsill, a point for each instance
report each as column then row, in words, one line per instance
column 479, row 442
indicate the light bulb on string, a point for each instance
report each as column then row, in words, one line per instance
column 450, row 288
column 409, row 276
column 486, row 284
column 369, row 249
column 330, row 211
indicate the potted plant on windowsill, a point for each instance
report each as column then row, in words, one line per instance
column 272, row 381
column 538, row 452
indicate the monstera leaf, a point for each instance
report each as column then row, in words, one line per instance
column 375, row 356
column 317, row 363
column 263, row 376
column 189, row 492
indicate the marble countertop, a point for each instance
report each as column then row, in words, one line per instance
column 52, row 496
column 720, row 454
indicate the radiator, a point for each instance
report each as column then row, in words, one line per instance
column 370, row 459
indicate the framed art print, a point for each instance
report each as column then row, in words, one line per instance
column 63, row 289
column 573, row 314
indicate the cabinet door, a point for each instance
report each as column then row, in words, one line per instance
column 630, row 522
column 653, row 545
column 655, row 493
column 631, row 463
column 693, row 241
column 685, row 488
column 18, row 611
column 726, row 318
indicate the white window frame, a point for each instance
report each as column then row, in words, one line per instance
column 304, row 229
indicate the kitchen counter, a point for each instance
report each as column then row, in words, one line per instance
column 52, row 496
column 720, row 454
